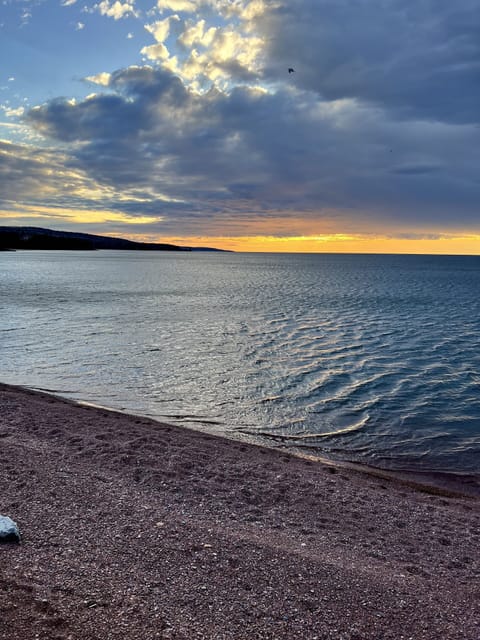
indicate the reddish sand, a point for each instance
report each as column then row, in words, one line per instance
column 133, row 529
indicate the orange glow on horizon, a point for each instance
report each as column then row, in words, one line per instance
column 329, row 243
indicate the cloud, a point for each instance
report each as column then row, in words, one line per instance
column 377, row 128
column 250, row 154
column 416, row 169
column 26, row 172
column 44, row 182
column 25, row 16
column 161, row 28
column 216, row 44
column 117, row 9
column 156, row 52
column 102, row 78
column 11, row 112
column 177, row 5
column 414, row 59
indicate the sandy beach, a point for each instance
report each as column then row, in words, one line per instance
column 136, row 529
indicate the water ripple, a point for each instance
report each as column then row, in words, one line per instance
column 368, row 358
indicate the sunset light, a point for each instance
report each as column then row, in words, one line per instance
column 239, row 319
column 251, row 125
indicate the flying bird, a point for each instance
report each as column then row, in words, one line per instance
column 290, row 70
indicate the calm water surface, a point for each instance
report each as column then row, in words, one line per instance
column 374, row 359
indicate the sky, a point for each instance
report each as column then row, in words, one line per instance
column 179, row 121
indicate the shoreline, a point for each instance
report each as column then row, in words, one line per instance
column 135, row 528
column 454, row 484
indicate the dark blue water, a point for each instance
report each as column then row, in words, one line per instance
column 374, row 359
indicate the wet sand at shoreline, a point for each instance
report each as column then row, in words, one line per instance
column 131, row 528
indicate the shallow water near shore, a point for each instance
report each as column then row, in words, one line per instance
column 372, row 359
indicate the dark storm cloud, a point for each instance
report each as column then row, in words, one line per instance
column 419, row 59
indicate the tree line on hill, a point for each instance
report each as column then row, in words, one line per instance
column 12, row 238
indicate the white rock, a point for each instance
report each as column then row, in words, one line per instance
column 8, row 530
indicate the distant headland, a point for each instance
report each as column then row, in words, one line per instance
column 37, row 238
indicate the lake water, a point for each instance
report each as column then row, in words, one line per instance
column 374, row 359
